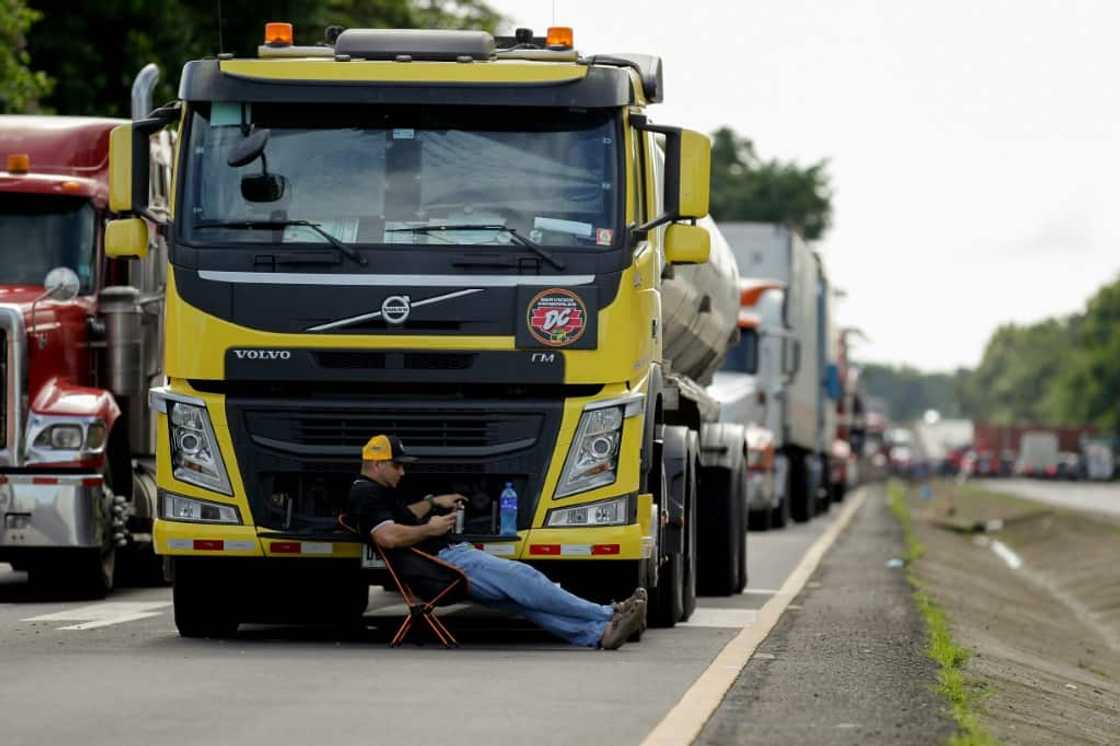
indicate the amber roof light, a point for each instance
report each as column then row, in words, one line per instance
column 560, row 37
column 278, row 34
column 18, row 163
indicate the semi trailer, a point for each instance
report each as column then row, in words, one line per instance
column 807, row 398
column 484, row 246
column 79, row 349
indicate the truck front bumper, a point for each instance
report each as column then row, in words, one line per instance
column 42, row 511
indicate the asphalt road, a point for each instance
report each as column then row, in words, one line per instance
column 115, row 671
column 1093, row 497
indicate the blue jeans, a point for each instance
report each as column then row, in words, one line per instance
column 515, row 586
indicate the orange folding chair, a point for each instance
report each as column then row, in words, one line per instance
column 425, row 582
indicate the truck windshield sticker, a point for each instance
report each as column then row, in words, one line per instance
column 225, row 114
column 557, row 317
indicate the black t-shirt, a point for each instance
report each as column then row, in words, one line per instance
column 371, row 504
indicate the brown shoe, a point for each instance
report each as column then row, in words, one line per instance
column 622, row 625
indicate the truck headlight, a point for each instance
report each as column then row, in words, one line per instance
column 195, row 457
column 613, row 512
column 593, row 456
column 61, row 438
column 179, row 508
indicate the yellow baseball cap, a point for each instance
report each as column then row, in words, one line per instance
column 386, row 448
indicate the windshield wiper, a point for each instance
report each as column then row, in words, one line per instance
column 528, row 243
column 349, row 251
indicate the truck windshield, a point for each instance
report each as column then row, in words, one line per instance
column 40, row 232
column 393, row 175
column 743, row 357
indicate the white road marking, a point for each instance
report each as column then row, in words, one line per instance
column 683, row 723
column 1007, row 554
column 758, row 592
column 723, row 618
column 104, row 614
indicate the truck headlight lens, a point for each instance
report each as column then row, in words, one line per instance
column 613, row 512
column 61, row 438
column 195, row 457
column 179, row 508
column 593, row 456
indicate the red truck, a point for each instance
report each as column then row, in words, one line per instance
column 79, row 348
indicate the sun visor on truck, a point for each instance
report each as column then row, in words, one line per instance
column 558, row 318
column 602, row 87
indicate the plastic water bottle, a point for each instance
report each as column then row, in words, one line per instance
column 508, row 505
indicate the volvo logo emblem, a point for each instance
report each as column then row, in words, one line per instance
column 396, row 308
column 263, row 354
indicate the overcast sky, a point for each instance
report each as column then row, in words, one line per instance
column 973, row 144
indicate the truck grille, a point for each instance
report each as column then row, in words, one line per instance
column 298, row 457
column 425, row 432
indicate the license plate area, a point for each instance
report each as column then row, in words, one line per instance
column 371, row 560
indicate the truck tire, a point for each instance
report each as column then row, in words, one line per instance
column 667, row 600
column 720, row 519
column 802, row 502
column 689, row 598
column 203, row 605
column 779, row 516
column 760, row 520
column 95, row 571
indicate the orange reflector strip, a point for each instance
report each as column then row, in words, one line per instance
column 278, row 34
column 604, row 549
column 71, row 186
column 44, row 480
column 285, row 547
column 559, row 36
column 209, row 545
column 549, row 549
column 91, row 482
column 19, row 163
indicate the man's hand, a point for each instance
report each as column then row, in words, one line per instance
column 451, row 501
column 439, row 525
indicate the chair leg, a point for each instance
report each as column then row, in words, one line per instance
column 439, row 623
column 402, row 631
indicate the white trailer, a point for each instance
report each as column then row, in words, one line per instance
column 764, row 250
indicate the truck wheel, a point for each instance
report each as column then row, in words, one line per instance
column 760, row 520
column 801, row 499
column 202, row 605
column 719, row 518
column 667, row 603
column 689, row 600
column 96, row 571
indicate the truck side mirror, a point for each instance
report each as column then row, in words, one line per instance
column 694, row 167
column 126, row 238
column 688, row 172
column 120, row 168
column 687, row 244
column 61, row 284
column 130, row 162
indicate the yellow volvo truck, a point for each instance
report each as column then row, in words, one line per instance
column 466, row 241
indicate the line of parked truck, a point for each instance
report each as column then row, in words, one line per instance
column 196, row 341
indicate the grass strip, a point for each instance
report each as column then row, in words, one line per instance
column 964, row 699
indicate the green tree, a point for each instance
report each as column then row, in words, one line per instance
column 20, row 87
column 1015, row 381
column 94, row 54
column 908, row 392
column 746, row 187
column 1087, row 389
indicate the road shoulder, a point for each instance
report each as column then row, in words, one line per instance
column 846, row 663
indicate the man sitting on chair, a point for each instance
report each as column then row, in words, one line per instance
column 394, row 520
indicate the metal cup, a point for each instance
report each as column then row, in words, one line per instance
column 460, row 516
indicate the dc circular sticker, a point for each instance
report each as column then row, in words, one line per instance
column 557, row 317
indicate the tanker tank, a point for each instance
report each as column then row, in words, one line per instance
column 700, row 308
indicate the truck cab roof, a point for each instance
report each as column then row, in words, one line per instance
column 64, row 155
column 407, row 66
